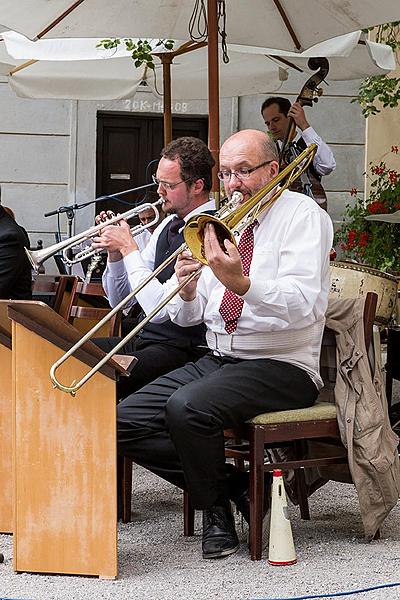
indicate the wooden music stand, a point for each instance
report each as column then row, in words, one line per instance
column 65, row 500
column 6, row 479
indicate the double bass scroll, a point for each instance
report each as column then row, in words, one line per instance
column 309, row 183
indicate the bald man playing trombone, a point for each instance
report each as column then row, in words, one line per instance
column 263, row 304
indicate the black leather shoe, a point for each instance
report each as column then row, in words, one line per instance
column 242, row 503
column 219, row 534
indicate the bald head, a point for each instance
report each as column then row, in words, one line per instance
column 251, row 151
column 250, row 141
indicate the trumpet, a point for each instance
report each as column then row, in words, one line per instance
column 228, row 223
column 37, row 257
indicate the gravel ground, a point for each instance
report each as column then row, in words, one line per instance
column 157, row 563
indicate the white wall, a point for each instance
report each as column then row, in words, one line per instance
column 48, row 156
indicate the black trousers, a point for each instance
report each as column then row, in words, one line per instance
column 153, row 359
column 174, row 426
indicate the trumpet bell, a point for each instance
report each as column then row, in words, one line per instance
column 194, row 234
column 37, row 257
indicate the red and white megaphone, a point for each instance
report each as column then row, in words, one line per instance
column 281, row 546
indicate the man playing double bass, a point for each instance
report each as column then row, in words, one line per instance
column 277, row 113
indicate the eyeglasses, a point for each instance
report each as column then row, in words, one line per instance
column 242, row 173
column 166, row 184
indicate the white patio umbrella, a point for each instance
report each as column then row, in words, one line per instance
column 284, row 24
column 276, row 23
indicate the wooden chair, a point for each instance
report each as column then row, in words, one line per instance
column 88, row 306
column 291, row 429
column 59, row 289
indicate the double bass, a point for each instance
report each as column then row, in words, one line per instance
column 309, row 182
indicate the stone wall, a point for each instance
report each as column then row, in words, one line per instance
column 48, row 156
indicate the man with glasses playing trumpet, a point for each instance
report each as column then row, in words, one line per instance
column 184, row 182
column 263, row 304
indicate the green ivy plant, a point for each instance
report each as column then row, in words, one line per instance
column 141, row 50
column 381, row 88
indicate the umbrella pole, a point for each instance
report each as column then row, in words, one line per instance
column 166, row 60
column 213, row 91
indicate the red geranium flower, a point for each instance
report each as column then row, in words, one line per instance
column 376, row 207
column 378, row 170
column 363, row 239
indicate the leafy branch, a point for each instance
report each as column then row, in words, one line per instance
column 381, row 88
column 141, row 50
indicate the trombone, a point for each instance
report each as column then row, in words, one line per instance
column 37, row 257
column 228, row 223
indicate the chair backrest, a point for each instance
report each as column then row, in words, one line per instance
column 64, row 294
column 55, row 290
column 89, row 305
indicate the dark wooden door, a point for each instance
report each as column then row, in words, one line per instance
column 128, row 149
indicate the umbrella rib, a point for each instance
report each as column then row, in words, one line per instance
column 286, row 62
column 28, row 63
column 59, row 18
column 288, row 24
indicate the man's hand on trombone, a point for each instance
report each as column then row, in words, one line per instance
column 226, row 266
column 116, row 239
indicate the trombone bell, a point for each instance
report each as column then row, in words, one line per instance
column 194, row 234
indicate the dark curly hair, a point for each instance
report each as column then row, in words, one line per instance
column 283, row 103
column 195, row 159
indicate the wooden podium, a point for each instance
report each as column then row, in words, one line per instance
column 64, row 448
column 6, row 470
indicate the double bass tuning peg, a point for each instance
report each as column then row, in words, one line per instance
column 318, row 92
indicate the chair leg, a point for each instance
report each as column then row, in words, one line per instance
column 126, row 489
column 256, row 489
column 239, row 462
column 188, row 515
column 300, row 481
column 302, row 494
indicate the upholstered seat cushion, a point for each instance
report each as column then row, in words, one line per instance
column 318, row 412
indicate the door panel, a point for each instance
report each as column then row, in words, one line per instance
column 126, row 146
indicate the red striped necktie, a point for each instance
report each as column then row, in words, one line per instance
column 232, row 305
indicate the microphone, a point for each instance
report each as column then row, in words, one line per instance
column 72, row 207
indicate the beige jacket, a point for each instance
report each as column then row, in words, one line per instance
column 363, row 417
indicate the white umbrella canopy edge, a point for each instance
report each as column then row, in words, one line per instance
column 259, row 22
column 105, row 75
column 114, row 79
column 351, row 56
column 110, row 77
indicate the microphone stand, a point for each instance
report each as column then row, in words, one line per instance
column 70, row 210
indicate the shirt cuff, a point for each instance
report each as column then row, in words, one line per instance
column 116, row 268
column 132, row 261
column 255, row 293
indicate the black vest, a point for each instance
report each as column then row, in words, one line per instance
column 168, row 331
column 302, row 145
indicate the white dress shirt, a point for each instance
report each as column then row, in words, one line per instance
column 324, row 161
column 123, row 276
column 284, row 308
